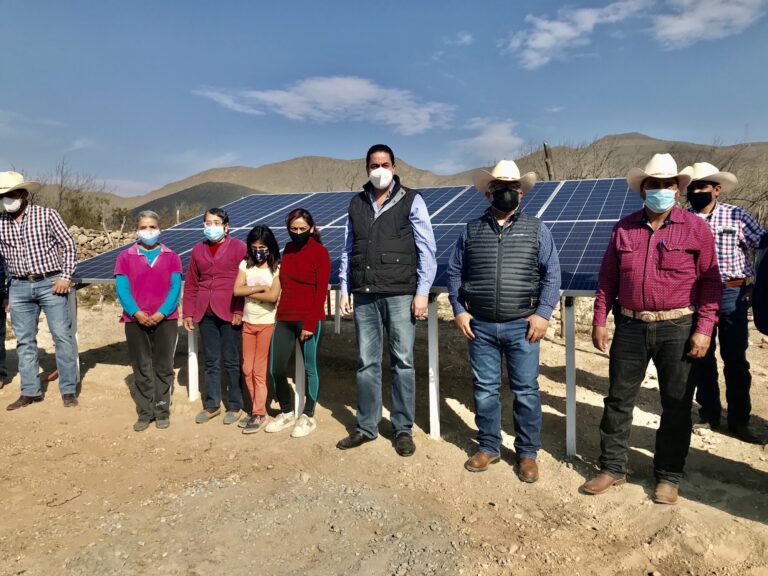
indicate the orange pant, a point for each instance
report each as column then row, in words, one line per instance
column 256, row 341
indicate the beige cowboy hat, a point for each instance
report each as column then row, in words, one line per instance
column 506, row 171
column 708, row 172
column 660, row 166
column 10, row 181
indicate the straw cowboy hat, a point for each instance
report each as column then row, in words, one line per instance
column 709, row 173
column 506, row 171
column 660, row 166
column 10, row 181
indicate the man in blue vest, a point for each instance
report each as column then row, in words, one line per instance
column 389, row 264
column 503, row 284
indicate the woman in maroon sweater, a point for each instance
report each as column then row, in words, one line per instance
column 304, row 275
column 210, row 303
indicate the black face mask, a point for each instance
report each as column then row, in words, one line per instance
column 505, row 200
column 259, row 255
column 300, row 238
column 700, row 200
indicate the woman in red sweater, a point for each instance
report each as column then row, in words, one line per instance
column 304, row 275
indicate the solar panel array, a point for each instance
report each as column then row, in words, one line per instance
column 580, row 214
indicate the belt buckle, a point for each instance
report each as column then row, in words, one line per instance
column 646, row 316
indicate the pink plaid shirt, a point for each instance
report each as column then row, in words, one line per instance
column 673, row 267
column 736, row 232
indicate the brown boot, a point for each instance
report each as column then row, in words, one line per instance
column 528, row 470
column 666, row 493
column 480, row 461
column 601, row 483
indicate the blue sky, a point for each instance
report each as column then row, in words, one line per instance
column 141, row 93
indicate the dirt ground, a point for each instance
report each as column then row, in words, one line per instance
column 84, row 494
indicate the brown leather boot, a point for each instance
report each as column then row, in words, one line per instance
column 601, row 483
column 480, row 461
column 666, row 493
column 528, row 470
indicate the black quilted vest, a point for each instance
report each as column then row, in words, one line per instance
column 501, row 268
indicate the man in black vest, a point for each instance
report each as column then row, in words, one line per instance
column 503, row 284
column 388, row 264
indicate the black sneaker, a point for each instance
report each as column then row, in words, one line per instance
column 353, row 441
column 255, row 424
column 404, row 445
column 141, row 425
column 744, row 433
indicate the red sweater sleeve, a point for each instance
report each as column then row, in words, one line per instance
column 321, row 263
column 190, row 288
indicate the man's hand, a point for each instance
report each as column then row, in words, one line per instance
column 61, row 286
column 462, row 323
column 537, row 328
column 189, row 324
column 699, row 345
column 237, row 319
column 600, row 338
column 345, row 304
column 419, row 306
column 305, row 335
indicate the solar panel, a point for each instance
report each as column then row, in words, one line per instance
column 580, row 214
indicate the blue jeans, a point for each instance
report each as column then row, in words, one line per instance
column 374, row 312
column 26, row 300
column 221, row 340
column 492, row 340
column 635, row 343
column 732, row 333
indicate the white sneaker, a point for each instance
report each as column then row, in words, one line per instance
column 280, row 422
column 304, row 425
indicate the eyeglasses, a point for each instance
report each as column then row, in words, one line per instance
column 298, row 229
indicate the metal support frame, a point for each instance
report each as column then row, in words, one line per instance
column 337, row 313
column 193, row 386
column 570, row 377
column 72, row 301
column 434, row 369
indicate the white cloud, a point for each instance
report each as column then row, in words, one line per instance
column 460, row 39
column 548, row 39
column 555, row 109
column 80, row 144
column 15, row 123
column 494, row 139
column 338, row 99
column 196, row 161
column 695, row 20
column 448, row 167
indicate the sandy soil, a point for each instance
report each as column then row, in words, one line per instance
column 84, row 494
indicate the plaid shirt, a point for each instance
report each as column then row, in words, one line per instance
column 736, row 232
column 38, row 244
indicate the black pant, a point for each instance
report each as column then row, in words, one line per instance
column 283, row 342
column 221, row 340
column 634, row 344
column 151, row 351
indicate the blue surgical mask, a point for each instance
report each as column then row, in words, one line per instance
column 660, row 201
column 214, row 233
column 148, row 237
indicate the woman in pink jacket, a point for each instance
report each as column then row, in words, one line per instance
column 210, row 303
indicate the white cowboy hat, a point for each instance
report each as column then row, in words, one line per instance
column 660, row 166
column 10, row 181
column 708, row 172
column 506, row 171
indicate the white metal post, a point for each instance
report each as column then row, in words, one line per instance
column 72, row 297
column 298, row 381
column 193, row 386
column 337, row 314
column 570, row 378
column 434, row 369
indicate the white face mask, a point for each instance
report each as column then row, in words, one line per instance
column 11, row 204
column 381, row 178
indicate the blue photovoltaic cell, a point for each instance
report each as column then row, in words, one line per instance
column 581, row 215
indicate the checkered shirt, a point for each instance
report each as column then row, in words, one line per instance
column 736, row 233
column 38, row 244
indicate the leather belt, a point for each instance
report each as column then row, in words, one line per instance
column 37, row 277
column 737, row 282
column 659, row 315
